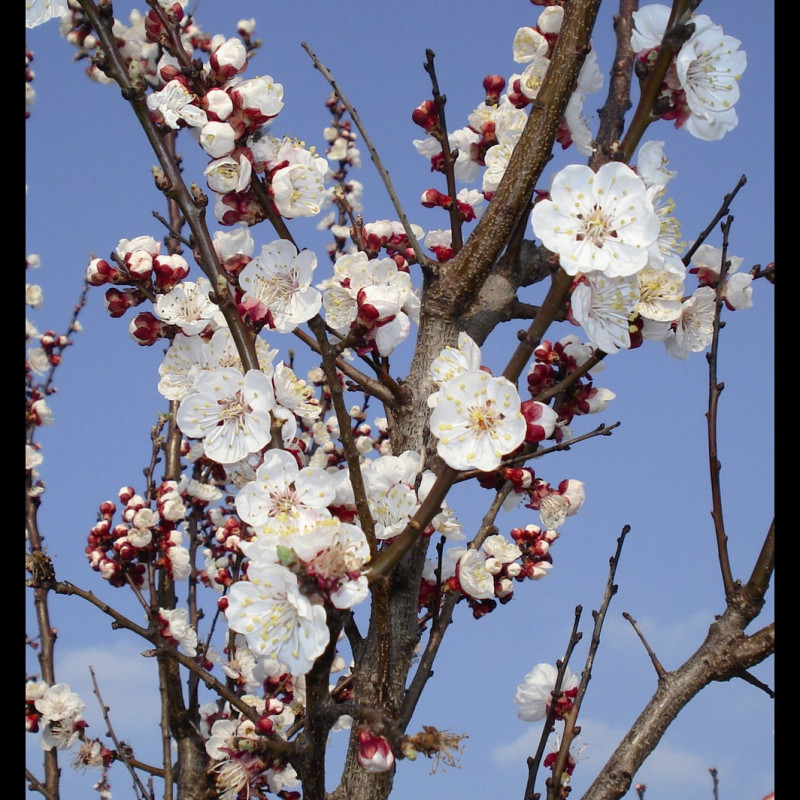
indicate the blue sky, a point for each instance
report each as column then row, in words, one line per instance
column 89, row 185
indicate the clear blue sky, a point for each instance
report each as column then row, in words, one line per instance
column 89, row 185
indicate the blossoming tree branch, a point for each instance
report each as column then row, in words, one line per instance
column 293, row 553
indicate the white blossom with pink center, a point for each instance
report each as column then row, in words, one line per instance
column 555, row 507
column 176, row 626
column 230, row 412
column 534, row 694
column 374, row 292
column 279, row 281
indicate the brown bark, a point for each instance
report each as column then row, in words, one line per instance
column 725, row 653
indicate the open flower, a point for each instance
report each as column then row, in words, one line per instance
column 277, row 286
column 709, row 67
column 695, row 327
column 453, row 361
column 298, row 189
column 188, row 306
column 276, row 619
column 176, row 629
column 477, row 421
column 534, row 694
column 230, row 412
column 284, row 497
column 603, row 306
column 175, row 104
column 597, row 221
column 374, row 297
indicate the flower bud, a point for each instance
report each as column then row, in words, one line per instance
column 374, row 752
column 426, row 116
column 493, row 86
column 145, row 328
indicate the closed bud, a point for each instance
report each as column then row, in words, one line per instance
column 493, row 85
column 425, row 115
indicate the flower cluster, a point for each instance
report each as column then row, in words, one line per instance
column 615, row 233
column 484, row 146
column 271, row 506
column 149, row 534
column 476, row 417
column 554, row 362
column 370, row 301
column 702, row 84
column 238, row 759
column 57, row 710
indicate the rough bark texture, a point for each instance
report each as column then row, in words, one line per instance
column 726, row 653
column 371, row 688
column 388, row 649
column 193, row 783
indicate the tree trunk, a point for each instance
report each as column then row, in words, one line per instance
column 386, row 655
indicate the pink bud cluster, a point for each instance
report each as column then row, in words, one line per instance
column 533, row 563
column 139, row 266
column 390, row 236
column 553, row 362
column 222, row 555
column 535, row 545
column 53, row 345
column 427, row 117
column 145, row 536
column 432, row 198
column 341, row 139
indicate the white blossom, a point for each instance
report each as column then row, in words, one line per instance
column 477, row 421
column 597, row 221
column 276, row 618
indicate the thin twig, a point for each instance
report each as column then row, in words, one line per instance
column 376, row 160
column 510, row 461
column 571, row 730
column 724, row 209
column 445, row 616
column 714, row 391
column 172, row 232
column 715, row 781
column 440, row 133
column 278, row 746
column 561, row 665
column 748, row 677
column 138, row 785
column 383, row 392
column 35, row 785
column 660, row 671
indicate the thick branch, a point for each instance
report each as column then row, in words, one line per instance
column 466, row 273
column 724, row 654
